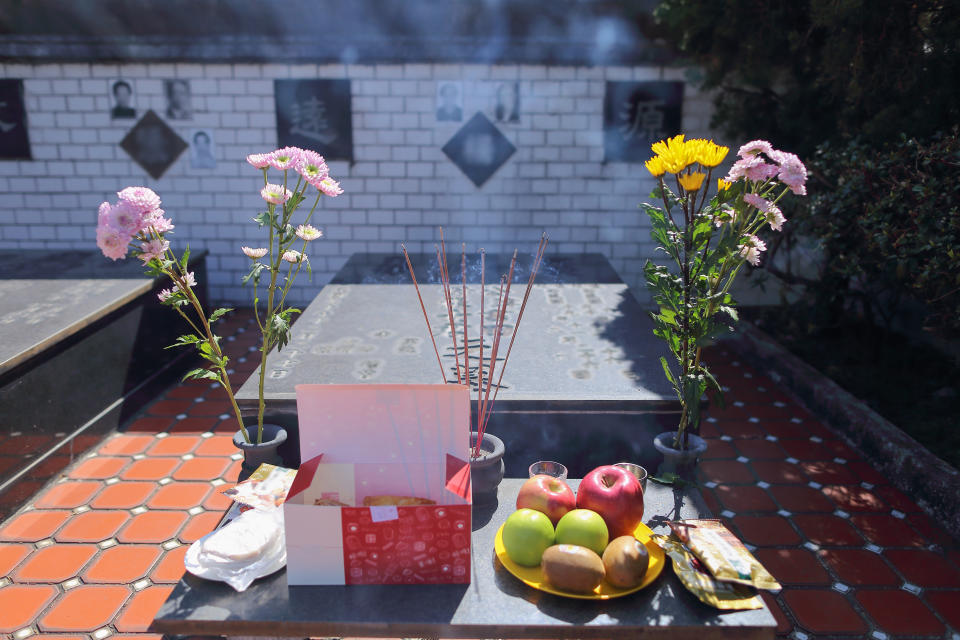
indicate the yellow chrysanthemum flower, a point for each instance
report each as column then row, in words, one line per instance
column 722, row 184
column 674, row 153
column 709, row 153
column 692, row 181
column 655, row 166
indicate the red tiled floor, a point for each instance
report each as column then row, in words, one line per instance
column 142, row 608
column 866, row 472
column 33, row 525
column 783, row 623
column 170, row 568
column 164, row 408
column 85, row 608
column 896, row 499
column 55, row 563
column 126, row 445
column 216, row 501
column 195, row 424
column 98, row 468
column 216, row 446
column 793, row 566
column 740, row 428
column 947, row 604
column 179, row 495
column 806, row 449
column 123, row 495
column 718, row 449
column 739, row 498
column 827, row 530
column 858, row 567
column 150, row 469
column 68, row 495
column 201, row 469
column 92, row 526
column 932, row 531
column 11, row 555
column 924, row 568
column 153, row 526
column 174, row 446
column 822, row 611
column 199, row 526
column 728, row 471
column 122, row 564
column 210, row 408
column 899, row 612
column 766, row 530
column 760, row 449
column 887, row 531
column 20, row 604
column 829, row 472
column 798, row 498
column 151, row 424
column 778, row 472
column 854, row 498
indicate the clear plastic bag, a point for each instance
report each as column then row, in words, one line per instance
column 248, row 547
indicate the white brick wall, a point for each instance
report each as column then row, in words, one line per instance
column 400, row 187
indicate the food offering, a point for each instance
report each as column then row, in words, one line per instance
column 555, row 544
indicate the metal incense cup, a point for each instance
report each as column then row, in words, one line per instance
column 548, row 467
column 636, row 470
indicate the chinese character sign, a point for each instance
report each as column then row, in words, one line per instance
column 315, row 114
column 637, row 114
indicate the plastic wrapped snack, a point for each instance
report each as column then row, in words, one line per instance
column 723, row 554
column 266, row 487
column 693, row 576
column 250, row 546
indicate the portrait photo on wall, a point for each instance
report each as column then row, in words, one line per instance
column 449, row 101
column 507, row 106
column 202, row 154
column 315, row 114
column 153, row 144
column 637, row 114
column 179, row 105
column 121, row 97
column 14, row 141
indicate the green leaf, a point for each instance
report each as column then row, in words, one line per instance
column 185, row 259
column 201, row 374
column 184, row 340
column 255, row 269
column 217, row 314
column 263, row 218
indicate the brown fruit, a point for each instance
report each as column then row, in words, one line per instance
column 625, row 561
column 572, row 568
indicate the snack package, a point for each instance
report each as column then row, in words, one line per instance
column 699, row 582
column 723, row 554
column 267, row 487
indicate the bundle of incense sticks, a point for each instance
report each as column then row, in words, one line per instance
column 486, row 370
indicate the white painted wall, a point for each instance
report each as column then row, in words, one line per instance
column 400, row 187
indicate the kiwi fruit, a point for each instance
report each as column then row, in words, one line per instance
column 573, row 568
column 625, row 561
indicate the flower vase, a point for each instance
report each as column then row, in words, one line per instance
column 255, row 454
column 678, row 461
column 486, row 469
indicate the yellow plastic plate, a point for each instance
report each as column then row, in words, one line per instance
column 534, row 577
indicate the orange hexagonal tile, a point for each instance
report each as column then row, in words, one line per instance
column 233, row 473
column 98, row 468
column 122, row 564
column 201, row 469
column 150, row 469
column 84, row 608
column 67, row 495
column 153, row 526
column 92, row 526
column 217, row 446
column 11, row 555
column 55, row 563
column 20, row 604
column 123, row 495
column 171, row 568
column 174, row 446
column 179, row 495
column 33, row 525
column 217, row 501
column 142, row 609
column 199, row 526
column 125, row 445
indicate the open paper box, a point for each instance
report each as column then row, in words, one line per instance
column 375, row 440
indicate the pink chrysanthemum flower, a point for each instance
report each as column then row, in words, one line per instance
column 259, row 160
column 189, row 279
column 312, row 167
column 112, row 242
column 761, row 172
column 142, row 199
column 103, row 214
column 740, row 167
column 276, row 193
column 286, row 158
column 254, row 254
column 124, row 217
column 308, row 232
column 726, row 214
column 776, row 218
column 792, row 172
column 751, row 248
column 156, row 223
column 156, row 248
column 164, row 294
column 330, row 187
column 293, row 257
column 759, row 202
column 754, row 147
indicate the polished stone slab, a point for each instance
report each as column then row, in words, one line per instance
column 493, row 605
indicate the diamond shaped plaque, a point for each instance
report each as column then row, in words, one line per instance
column 153, row 144
column 479, row 149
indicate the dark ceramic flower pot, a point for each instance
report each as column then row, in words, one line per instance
column 256, row 454
column 486, row 470
column 678, row 461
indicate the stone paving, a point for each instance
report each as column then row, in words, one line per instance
column 96, row 552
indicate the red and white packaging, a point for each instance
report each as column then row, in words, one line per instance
column 380, row 440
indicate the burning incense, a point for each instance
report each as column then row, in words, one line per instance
column 445, row 283
column 424, row 308
column 466, row 343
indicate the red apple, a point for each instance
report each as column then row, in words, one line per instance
column 548, row 495
column 616, row 495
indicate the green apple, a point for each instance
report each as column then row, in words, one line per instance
column 526, row 535
column 585, row 528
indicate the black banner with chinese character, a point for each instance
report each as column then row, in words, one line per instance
column 637, row 114
column 315, row 114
